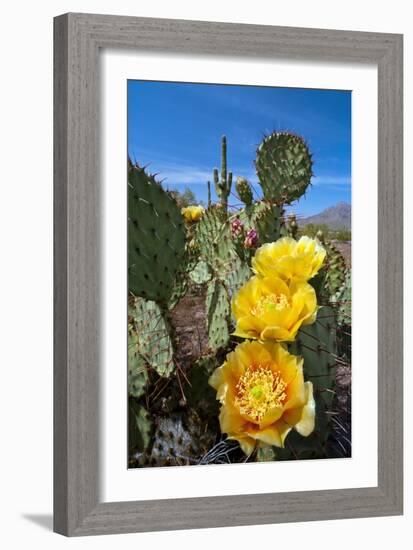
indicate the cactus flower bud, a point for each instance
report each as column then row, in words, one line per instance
column 244, row 190
column 237, row 227
column 251, row 240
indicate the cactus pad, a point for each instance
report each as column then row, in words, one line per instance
column 200, row 395
column 140, row 427
column 201, row 273
column 284, row 167
column 239, row 274
column 156, row 237
column 137, row 371
column 213, row 240
column 153, row 342
column 317, row 344
column 335, row 270
column 342, row 300
column 218, row 314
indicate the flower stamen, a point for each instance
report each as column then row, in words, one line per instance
column 270, row 302
column 259, row 390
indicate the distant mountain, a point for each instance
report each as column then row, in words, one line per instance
column 336, row 217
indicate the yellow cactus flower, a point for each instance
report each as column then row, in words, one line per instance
column 263, row 395
column 271, row 309
column 192, row 213
column 289, row 259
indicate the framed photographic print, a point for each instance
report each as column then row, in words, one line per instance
column 228, row 269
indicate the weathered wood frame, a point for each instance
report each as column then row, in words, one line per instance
column 78, row 39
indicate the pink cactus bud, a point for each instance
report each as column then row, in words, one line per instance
column 237, row 227
column 251, row 240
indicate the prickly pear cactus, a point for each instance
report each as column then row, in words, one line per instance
column 140, row 427
column 335, row 270
column 137, row 368
column 284, row 167
column 218, row 314
column 238, row 275
column 199, row 394
column 265, row 218
column 268, row 223
column 343, row 301
column 150, row 335
column 214, row 242
column 178, row 291
column 201, row 273
column 156, row 237
column 317, row 344
column 173, row 411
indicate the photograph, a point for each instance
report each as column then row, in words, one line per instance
column 239, row 273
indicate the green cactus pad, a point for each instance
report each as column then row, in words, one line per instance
column 284, row 167
column 179, row 289
column 343, row 301
column 156, row 237
column 218, row 314
column 201, row 274
column 335, row 270
column 154, row 343
column 137, row 370
column 239, row 274
column 268, row 224
column 317, row 344
column 199, row 394
column 140, row 427
column 214, row 242
column 265, row 218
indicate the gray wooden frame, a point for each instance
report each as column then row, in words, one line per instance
column 78, row 40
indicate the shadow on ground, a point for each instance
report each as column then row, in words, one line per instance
column 43, row 520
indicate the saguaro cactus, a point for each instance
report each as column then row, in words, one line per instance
column 223, row 184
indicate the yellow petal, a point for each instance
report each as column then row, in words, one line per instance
column 270, row 417
column 247, row 444
column 230, row 420
column 215, row 380
column 305, row 425
column 276, row 333
column 269, row 435
column 283, row 429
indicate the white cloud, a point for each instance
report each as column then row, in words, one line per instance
column 331, row 180
column 175, row 173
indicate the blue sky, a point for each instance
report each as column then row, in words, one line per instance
column 176, row 129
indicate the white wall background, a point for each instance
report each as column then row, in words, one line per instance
column 26, row 270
